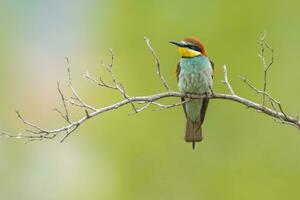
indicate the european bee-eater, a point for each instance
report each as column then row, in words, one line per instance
column 194, row 75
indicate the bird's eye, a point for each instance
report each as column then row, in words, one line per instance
column 191, row 45
column 194, row 47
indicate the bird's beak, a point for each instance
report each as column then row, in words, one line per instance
column 180, row 44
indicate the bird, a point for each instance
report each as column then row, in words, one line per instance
column 194, row 74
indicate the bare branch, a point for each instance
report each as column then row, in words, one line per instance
column 29, row 123
column 75, row 95
column 37, row 133
column 71, row 130
column 127, row 97
column 266, row 65
column 163, row 107
column 138, row 110
column 66, row 115
column 100, row 83
column 157, row 64
column 152, row 98
column 225, row 81
column 257, row 90
column 117, row 86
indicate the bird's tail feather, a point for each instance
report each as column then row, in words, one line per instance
column 193, row 132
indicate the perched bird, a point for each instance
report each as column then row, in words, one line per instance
column 194, row 75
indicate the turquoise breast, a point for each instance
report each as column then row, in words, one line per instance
column 195, row 76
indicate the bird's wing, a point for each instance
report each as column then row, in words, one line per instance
column 213, row 67
column 206, row 100
column 177, row 71
column 203, row 109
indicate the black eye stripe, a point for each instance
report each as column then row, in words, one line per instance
column 194, row 47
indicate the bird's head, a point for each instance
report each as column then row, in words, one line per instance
column 190, row 47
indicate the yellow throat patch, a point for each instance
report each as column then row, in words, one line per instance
column 189, row 53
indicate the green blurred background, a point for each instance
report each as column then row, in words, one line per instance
column 245, row 155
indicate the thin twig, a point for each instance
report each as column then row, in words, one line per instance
column 257, row 90
column 66, row 115
column 266, row 66
column 75, row 95
column 225, row 81
column 157, row 64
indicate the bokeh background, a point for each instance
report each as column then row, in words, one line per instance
column 245, row 155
